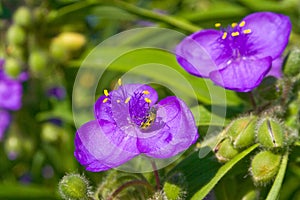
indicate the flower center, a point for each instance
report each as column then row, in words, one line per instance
column 234, row 39
column 139, row 107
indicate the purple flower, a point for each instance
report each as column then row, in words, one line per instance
column 57, row 92
column 128, row 123
column 4, row 122
column 10, row 91
column 240, row 56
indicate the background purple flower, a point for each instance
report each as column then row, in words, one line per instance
column 10, row 91
column 57, row 92
column 240, row 56
column 123, row 128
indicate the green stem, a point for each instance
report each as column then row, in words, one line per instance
column 176, row 22
column 147, row 14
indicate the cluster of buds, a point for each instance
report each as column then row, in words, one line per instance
column 272, row 135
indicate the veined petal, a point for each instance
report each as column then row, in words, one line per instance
column 198, row 52
column 242, row 75
column 177, row 134
column 97, row 152
column 269, row 33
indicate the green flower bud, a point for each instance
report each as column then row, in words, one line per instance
column 292, row 64
column 13, row 146
column 71, row 41
column 38, row 62
column 17, row 52
column 264, row 167
column 50, row 132
column 159, row 195
column 58, row 51
column 174, row 187
column 270, row 133
column 269, row 89
column 12, row 67
column 225, row 150
column 242, row 131
column 75, row 187
column 16, row 35
column 23, row 17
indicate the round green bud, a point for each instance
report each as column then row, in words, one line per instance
column 13, row 146
column 23, row 17
column 72, row 41
column 16, row 35
column 242, row 131
column 159, row 195
column 12, row 67
column 269, row 89
column 174, row 187
column 75, row 187
column 50, row 132
column 38, row 61
column 225, row 151
column 270, row 133
column 264, row 167
column 292, row 64
column 58, row 51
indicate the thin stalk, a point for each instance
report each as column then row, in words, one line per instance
column 156, row 175
column 252, row 100
column 128, row 184
column 141, row 12
column 176, row 22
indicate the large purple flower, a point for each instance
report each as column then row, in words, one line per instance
column 128, row 123
column 240, row 56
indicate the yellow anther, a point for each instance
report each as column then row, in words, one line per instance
column 242, row 24
column 127, row 100
column 247, row 31
column 224, row 35
column 233, row 34
column 119, row 82
column 234, row 24
column 105, row 92
column 148, row 100
column 146, row 92
column 105, row 100
column 118, row 101
column 217, row 25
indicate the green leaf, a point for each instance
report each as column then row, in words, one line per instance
column 221, row 172
column 10, row 191
column 274, row 192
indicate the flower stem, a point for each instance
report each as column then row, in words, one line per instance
column 252, row 100
column 128, row 184
column 157, row 179
column 147, row 14
column 179, row 23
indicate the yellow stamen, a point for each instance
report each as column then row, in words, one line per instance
column 233, row 34
column 234, row 24
column 118, row 101
column 242, row 24
column 148, row 100
column 119, row 82
column 105, row 92
column 247, row 31
column 105, row 100
column 217, row 25
column 224, row 35
column 146, row 92
column 127, row 100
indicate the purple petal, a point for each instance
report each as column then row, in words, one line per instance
column 242, row 75
column 10, row 94
column 96, row 152
column 177, row 134
column 4, row 122
column 276, row 68
column 269, row 33
column 197, row 52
